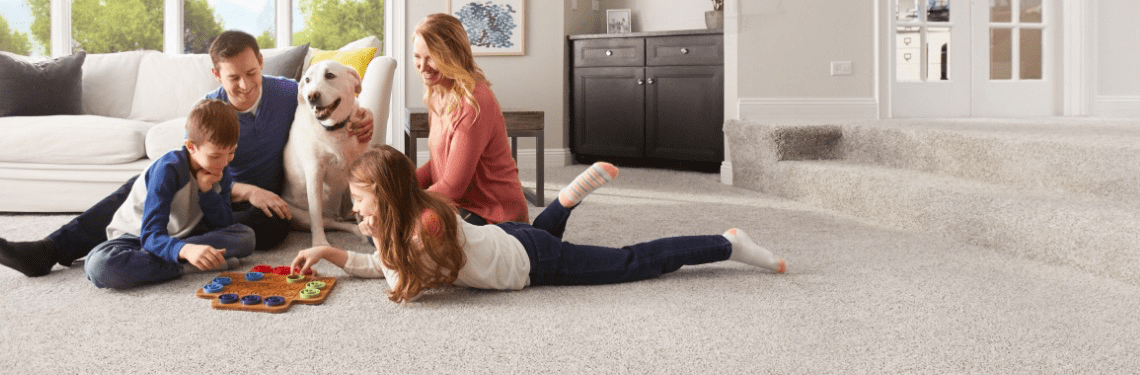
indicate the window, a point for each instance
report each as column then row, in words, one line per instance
column 19, row 26
column 204, row 20
column 104, row 26
column 330, row 24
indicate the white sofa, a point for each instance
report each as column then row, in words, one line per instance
column 134, row 109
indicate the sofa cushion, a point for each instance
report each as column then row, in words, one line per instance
column 41, row 88
column 285, row 62
column 109, row 82
column 164, row 137
column 169, row 85
column 71, row 139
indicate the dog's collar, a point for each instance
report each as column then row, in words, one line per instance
column 338, row 125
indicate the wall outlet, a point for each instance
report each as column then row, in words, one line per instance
column 597, row 5
column 573, row 4
column 841, row 68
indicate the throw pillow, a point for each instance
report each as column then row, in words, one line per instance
column 50, row 87
column 357, row 58
column 287, row 64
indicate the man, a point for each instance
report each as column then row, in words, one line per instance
column 265, row 107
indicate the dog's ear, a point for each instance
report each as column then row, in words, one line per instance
column 357, row 76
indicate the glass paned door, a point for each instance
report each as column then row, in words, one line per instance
column 931, row 59
column 1013, row 45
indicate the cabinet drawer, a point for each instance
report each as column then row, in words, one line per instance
column 685, row 50
column 609, row 52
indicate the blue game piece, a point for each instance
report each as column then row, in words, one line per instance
column 227, row 298
column 223, row 280
column 213, row 288
column 274, row 300
column 254, row 276
column 251, row 299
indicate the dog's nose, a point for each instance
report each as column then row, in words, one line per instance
column 314, row 97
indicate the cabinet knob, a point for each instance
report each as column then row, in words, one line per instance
column 608, row 52
column 685, row 51
column 640, row 81
column 649, row 81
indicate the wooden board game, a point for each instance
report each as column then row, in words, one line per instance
column 272, row 293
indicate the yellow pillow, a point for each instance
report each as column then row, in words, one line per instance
column 357, row 58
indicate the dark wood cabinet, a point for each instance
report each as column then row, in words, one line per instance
column 657, row 96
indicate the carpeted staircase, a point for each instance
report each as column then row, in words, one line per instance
column 1064, row 191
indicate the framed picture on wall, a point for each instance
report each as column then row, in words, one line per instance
column 618, row 21
column 494, row 27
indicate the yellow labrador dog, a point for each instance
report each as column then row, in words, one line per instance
column 320, row 150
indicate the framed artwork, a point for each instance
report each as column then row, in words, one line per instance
column 618, row 21
column 494, row 27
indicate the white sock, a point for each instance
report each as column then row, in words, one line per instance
column 593, row 178
column 746, row 251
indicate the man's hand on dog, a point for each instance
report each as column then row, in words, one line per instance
column 270, row 203
column 361, row 125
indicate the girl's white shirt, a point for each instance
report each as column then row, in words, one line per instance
column 495, row 260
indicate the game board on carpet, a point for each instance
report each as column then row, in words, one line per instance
column 266, row 289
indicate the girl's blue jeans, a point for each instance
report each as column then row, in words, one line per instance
column 556, row 262
column 123, row 263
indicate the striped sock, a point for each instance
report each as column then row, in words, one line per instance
column 597, row 175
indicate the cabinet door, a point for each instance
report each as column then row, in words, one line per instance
column 609, row 111
column 685, row 113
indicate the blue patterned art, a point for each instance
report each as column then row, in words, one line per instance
column 488, row 25
column 493, row 26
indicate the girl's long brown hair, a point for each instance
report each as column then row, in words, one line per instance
column 451, row 51
column 401, row 202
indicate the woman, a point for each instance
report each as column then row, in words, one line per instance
column 470, row 162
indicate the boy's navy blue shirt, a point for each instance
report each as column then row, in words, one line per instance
column 165, row 206
column 258, row 159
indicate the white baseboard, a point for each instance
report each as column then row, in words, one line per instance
column 726, row 172
column 1116, row 106
column 553, row 158
column 807, row 108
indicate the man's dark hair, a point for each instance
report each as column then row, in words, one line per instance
column 231, row 43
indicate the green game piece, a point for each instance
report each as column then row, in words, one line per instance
column 310, row 293
column 294, row 278
column 316, row 284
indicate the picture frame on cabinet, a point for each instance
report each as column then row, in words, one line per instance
column 494, row 27
column 618, row 21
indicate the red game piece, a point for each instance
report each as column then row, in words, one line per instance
column 283, row 270
column 263, row 268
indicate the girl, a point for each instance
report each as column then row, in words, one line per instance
column 422, row 243
column 470, row 162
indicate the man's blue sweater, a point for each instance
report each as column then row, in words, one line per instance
column 259, row 156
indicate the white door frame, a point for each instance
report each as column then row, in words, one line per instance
column 1077, row 48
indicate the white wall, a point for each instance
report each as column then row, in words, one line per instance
column 1117, row 58
column 533, row 81
column 658, row 15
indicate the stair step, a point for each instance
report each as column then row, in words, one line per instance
column 1078, row 156
column 1062, row 192
column 1093, row 234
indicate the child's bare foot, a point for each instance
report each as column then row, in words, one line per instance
column 746, row 251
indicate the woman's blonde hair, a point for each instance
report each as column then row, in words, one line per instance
column 450, row 50
column 401, row 204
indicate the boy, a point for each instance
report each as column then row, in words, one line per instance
column 179, row 209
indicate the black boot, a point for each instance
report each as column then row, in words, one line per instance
column 34, row 258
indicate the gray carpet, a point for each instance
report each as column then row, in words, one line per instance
column 857, row 298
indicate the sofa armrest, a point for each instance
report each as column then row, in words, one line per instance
column 376, row 94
